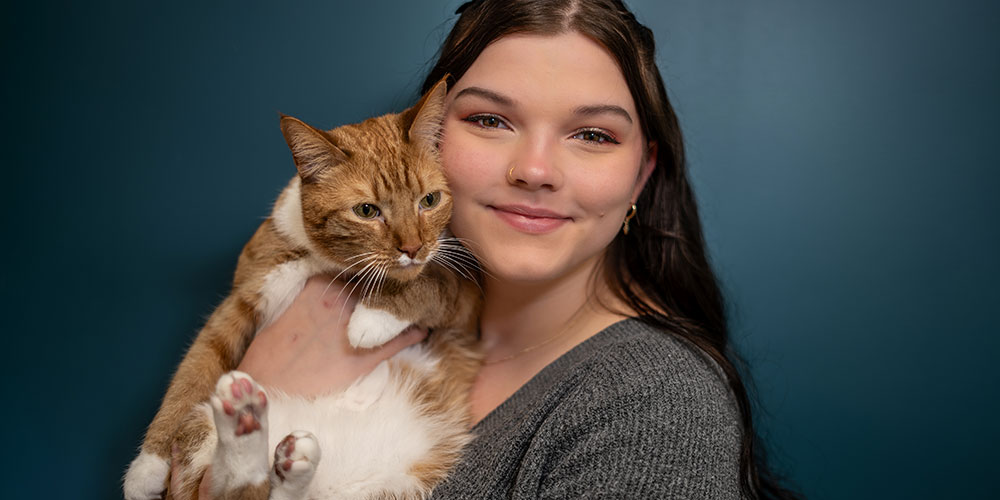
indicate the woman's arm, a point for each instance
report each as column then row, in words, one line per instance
column 650, row 420
column 305, row 351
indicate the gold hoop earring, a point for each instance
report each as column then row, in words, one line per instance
column 628, row 217
column 510, row 175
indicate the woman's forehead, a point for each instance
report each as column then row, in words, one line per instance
column 568, row 67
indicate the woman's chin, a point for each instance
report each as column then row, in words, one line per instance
column 535, row 271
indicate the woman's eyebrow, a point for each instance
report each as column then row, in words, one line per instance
column 486, row 94
column 602, row 109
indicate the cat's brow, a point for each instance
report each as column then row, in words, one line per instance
column 602, row 109
column 486, row 94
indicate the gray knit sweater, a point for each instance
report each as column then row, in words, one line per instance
column 630, row 413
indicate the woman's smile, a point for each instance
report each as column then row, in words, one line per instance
column 533, row 220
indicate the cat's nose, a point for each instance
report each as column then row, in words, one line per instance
column 411, row 249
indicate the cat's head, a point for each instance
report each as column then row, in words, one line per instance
column 374, row 196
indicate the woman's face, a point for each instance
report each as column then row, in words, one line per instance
column 557, row 110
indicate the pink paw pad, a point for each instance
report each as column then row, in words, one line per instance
column 296, row 456
column 241, row 399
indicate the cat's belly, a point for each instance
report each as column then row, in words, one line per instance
column 372, row 435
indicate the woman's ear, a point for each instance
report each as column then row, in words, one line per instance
column 645, row 170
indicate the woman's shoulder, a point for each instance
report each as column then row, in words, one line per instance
column 633, row 412
column 632, row 358
column 644, row 412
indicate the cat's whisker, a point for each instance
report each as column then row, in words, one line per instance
column 460, row 262
column 448, row 263
column 461, row 245
column 364, row 282
column 360, row 255
column 383, row 278
column 379, row 280
column 359, row 276
column 332, row 281
column 385, row 273
column 368, row 289
column 447, row 267
column 444, row 259
column 362, row 261
column 462, row 256
column 465, row 242
column 461, row 253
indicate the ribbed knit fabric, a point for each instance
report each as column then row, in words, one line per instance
column 630, row 413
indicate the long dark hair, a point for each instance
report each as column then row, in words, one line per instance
column 660, row 268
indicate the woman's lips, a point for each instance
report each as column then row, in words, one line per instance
column 530, row 219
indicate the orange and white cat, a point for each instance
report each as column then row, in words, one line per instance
column 370, row 203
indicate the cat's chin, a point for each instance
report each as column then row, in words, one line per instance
column 406, row 273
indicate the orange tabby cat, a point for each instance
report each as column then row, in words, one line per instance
column 370, row 202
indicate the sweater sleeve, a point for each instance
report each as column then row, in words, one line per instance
column 641, row 428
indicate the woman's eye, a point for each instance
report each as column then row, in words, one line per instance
column 367, row 211
column 487, row 121
column 430, row 200
column 595, row 136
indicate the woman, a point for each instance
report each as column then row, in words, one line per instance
column 608, row 371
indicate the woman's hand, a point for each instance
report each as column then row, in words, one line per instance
column 305, row 351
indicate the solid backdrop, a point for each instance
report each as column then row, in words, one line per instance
column 844, row 154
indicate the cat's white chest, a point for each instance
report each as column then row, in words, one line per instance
column 372, row 435
column 282, row 284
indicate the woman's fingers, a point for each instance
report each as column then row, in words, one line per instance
column 204, row 489
column 412, row 335
column 306, row 350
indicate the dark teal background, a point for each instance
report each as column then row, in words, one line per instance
column 845, row 155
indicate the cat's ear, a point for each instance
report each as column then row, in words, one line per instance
column 311, row 149
column 426, row 126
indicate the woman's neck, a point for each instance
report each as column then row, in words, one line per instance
column 551, row 316
column 527, row 326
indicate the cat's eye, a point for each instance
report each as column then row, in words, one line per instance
column 367, row 211
column 430, row 200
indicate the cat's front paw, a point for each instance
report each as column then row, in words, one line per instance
column 295, row 462
column 240, row 406
column 373, row 327
column 146, row 478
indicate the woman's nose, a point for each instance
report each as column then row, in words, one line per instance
column 535, row 167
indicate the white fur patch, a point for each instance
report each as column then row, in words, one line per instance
column 370, row 435
column 301, row 449
column 365, row 391
column 281, row 285
column 146, row 477
column 202, row 457
column 406, row 261
column 287, row 214
column 240, row 460
column 373, row 327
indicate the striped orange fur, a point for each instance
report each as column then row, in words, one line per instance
column 389, row 163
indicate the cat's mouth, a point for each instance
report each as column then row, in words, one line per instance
column 406, row 262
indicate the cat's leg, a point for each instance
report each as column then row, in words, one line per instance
column 295, row 461
column 146, row 477
column 194, row 448
column 216, row 349
column 240, row 463
column 373, row 327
